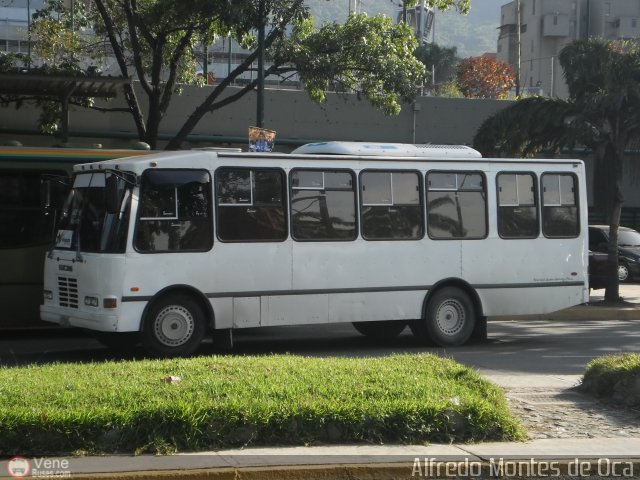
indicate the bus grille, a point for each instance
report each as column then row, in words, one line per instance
column 68, row 292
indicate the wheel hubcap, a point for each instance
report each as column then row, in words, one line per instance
column 623, row 273
column 450, row 317
column 174, row 326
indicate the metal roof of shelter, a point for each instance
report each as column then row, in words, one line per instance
column 60, row 86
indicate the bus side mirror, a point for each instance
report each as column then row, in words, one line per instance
column 45, row 194
column 112, row 193
column 53, row 189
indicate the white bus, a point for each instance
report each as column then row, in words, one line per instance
column 173, row 246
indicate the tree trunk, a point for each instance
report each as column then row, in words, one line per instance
column 614, row 156
column 612, row 293
column 153, row 120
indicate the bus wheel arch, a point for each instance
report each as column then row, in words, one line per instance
column 175, row 321
column 451, row 314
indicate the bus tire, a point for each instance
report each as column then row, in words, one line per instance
column 380, row 330
column 174, row 326
column 449, row 318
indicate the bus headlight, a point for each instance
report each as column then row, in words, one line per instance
column 91, row 301
column 47, row 294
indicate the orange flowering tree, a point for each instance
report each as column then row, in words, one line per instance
column 484, row 77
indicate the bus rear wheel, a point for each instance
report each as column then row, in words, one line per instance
column 380, row 330
column 174, row 326
column 449, row 318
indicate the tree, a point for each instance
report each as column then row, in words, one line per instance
column 484, row 77
column 601, row 113
column 441, row 62
column 155, row 41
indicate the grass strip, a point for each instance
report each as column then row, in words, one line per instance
column 616, row 377
column 213, row 402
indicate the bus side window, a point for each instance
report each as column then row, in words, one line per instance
column 26, row 218
column 456, row 205
column 560, row 205
column 392, row 207
column 517, row 205
column 250, row 205
column 174, row 212
column 323, row 205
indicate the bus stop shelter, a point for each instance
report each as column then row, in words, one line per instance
column 57, row 88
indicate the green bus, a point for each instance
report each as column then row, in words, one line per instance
column 33, row 185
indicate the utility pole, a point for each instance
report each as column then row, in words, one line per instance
column 518, row 32
column 260, row 106
column 421, row 20
column 28, row 34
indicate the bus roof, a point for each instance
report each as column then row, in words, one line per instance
column 202, row 159
column 64, row 155
column 388, row 150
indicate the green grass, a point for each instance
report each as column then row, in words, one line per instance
column 231, row 401
column 614, row 374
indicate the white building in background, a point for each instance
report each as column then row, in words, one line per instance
column 14, row 22
column 546, row 26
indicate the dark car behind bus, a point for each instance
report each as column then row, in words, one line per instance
column 628, row 249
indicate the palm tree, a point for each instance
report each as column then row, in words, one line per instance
column 601, row 113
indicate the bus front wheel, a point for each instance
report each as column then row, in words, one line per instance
column 449, row 318
column 174, row 326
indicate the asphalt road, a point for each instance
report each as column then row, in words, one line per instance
column 523, row 348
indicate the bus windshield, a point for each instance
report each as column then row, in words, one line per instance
column 86, row 225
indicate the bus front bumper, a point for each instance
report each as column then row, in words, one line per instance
column 103, row 322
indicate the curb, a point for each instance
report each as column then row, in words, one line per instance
column 420, row 468
column 582, row 312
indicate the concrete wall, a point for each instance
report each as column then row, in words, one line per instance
column 291, row 113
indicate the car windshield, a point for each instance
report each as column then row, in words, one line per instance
column 85, row 224
column 628, row 238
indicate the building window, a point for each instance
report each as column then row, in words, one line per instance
column 634, row 23
column 533, row 7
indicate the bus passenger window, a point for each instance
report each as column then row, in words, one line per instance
column 250, row 205
column 560, row 205
column 174, row 212
column 456, row 205
column 391, row 205
column 323, row 205
column 517, row 206
column 25, row 219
